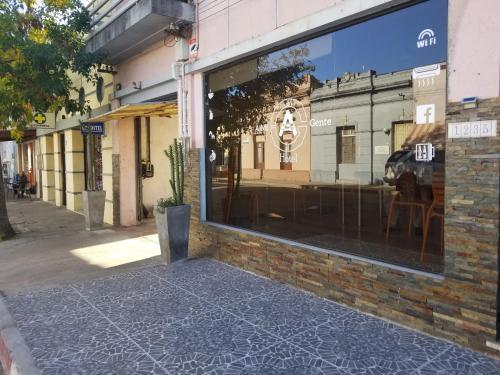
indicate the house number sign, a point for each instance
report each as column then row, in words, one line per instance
column 472, row 129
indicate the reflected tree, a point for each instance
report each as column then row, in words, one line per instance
column 240, row 108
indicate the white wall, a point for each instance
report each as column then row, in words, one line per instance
column 163, row 132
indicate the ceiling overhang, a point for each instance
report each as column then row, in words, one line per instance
column 29, row 135
column 159, row 109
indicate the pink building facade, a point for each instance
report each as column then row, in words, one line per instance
column 395, row 211
column 346, row 147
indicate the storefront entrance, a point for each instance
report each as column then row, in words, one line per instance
column 353, row 138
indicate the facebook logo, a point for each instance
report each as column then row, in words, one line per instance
column 426, row 114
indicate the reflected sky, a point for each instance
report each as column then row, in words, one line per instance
column 384, row 44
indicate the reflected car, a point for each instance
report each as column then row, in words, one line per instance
column 404, row 161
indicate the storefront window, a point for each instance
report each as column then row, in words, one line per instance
column 339, row 141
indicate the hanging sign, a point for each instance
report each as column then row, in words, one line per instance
column 94, row 128
column 43, row 120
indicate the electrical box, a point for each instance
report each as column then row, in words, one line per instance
column 148, row 170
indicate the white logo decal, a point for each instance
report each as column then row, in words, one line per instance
column 425, row 75
column 426, row 38
column 288, row 126
column 212, row 156
column 426, row 114
column 426, row 71
column 424, row 152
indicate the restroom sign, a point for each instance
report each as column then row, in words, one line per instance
column 424, row 152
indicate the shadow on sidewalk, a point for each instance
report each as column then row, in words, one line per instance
column 51, row 247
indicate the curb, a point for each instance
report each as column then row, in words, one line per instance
column 15, row 355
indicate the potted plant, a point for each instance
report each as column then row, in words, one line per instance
column 172, row 215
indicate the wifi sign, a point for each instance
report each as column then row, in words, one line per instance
column 426, row 38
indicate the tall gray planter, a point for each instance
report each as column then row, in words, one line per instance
column 93, row 207
column 173, row 232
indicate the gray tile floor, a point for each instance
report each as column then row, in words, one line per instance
column 203, row 317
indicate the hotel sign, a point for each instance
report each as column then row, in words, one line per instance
column 94, row 128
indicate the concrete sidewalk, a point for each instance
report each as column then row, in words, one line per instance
column 52, row 247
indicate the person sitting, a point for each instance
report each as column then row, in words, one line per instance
column 15, row 185
column 23, row 181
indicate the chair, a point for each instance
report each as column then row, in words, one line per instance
column 406, row 195
column 435, row 210
column 27, row 190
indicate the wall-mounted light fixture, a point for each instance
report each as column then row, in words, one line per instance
column 137, row 85
column 469, row 103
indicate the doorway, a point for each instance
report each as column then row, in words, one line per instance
column 62, row 147
column 138, row 168
column 401, row 133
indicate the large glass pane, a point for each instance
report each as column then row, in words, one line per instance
column 338, row 141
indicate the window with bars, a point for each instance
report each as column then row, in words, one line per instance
column 346, row 138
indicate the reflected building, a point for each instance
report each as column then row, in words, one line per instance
column 360, row 119
column 280, row 150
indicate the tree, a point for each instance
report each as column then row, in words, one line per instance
column 41, row 43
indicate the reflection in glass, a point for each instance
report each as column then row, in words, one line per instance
column 351, row 161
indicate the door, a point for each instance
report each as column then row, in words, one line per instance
column 401, row 133
column 138, row 168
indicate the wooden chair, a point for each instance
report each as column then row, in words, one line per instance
column 27, row 190
column 406, row 195
column 435, row 210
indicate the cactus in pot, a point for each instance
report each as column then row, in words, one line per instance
column 172, row 215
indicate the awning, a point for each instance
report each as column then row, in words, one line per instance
column 161, row 109
column 29, row 135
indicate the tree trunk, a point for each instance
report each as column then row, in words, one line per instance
column 5, row 227
column 238, row 171
column 231, row 167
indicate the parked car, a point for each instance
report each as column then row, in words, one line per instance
column 404, row 161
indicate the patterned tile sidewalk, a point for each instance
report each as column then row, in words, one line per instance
column 204, row 317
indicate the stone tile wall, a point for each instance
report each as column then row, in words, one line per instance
column 462, row 306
